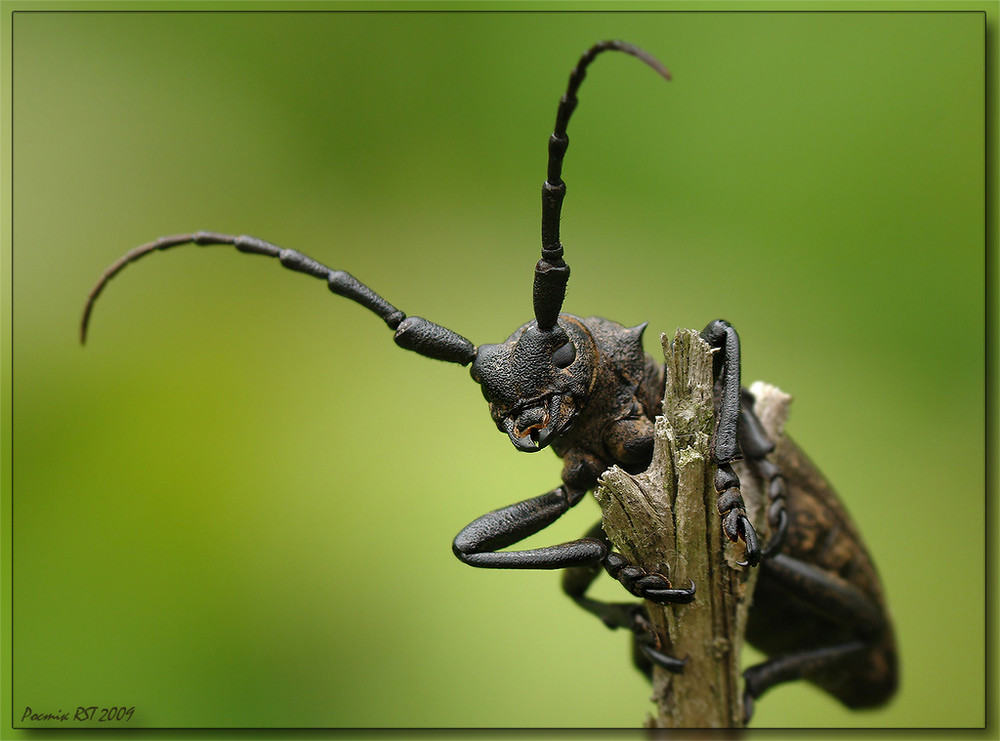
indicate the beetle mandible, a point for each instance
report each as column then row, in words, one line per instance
column 586, row 388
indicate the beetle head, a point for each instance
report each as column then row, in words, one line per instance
column 537, row 381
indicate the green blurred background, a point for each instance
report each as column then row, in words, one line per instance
column 235, row 507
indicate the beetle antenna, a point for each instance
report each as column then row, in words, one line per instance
column 552, row 272
column 412, row 333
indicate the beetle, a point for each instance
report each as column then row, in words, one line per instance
column 585, row 388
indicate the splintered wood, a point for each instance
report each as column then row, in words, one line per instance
column 665, row 520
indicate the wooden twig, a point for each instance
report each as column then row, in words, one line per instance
column 665, row 520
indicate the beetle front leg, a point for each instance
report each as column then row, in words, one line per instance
column 479, row 544
column 722, row 338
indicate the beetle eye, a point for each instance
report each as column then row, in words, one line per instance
column 564, row 355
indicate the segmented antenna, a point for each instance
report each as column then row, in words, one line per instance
column 340, row 282
column 411, row 333
column 552, row 272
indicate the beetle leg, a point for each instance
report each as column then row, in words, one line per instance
column 478, row 542
column 756, row 445
column 861, row 620
column 645, row 644
column 722, row 338
column 789, row 667
column 826, row 593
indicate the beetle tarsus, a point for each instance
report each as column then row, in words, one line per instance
column 735, row 523
column 757, row 446
column 645, row 585
column 671, row 596
column 777, row 516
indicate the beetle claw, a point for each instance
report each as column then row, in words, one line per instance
column 737, row 526
column 670, row 596
column 670, row 663
column 749, row 537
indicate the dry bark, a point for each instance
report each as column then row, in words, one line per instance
column 665, row 520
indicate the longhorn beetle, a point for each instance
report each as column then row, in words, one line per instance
column 585, row 388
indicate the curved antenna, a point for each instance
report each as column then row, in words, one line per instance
column 552, row 272
column 412, row 333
